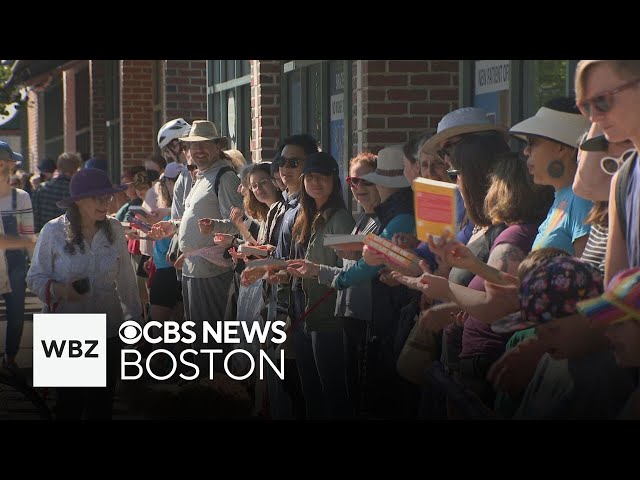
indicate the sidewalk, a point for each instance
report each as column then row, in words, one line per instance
column 25, row 355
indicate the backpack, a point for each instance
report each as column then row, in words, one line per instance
column 622, row 185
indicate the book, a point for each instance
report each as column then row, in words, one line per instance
column 139, row 209
column 270, row 263
column 140, row 225
column 435, row 205
column 344, row 242
column 394, row 254
column 256, row 250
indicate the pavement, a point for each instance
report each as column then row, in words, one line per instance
column 16, row 404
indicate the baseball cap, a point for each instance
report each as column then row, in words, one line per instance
column 322, row 163
column 551, row 291
column 172, row 170
column 620, row 302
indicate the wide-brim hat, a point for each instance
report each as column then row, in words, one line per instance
column 390, row 169
column 459, row 122
column 202, row 131
column 89, row 182
column 561, row 127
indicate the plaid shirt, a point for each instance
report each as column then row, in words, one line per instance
column 45, row 198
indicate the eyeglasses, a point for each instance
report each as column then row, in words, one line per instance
column 611, row 165
column 191, row 167
column 603, row 102
column 453, row 174
column 355, row 182
column 291, row 162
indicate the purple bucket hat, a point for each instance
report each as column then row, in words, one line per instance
column 552, row 290
column 89, row 182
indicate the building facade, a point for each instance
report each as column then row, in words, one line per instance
column 115, row 107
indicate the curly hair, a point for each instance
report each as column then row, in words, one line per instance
column 73, row 230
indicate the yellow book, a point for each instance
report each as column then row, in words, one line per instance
column 435, row 205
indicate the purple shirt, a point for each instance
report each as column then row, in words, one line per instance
column 478, row 338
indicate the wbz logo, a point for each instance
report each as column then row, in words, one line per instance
column 69, row 350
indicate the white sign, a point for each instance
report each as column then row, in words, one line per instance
column 492, row 76
column 337, row 104
column 69, row 350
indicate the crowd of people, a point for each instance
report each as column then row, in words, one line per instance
column 528, row 310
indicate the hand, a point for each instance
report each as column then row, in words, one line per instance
column 405, row 240
column 206, row 226
column 438, row 248
column 515, row 368
column 458, row 255
column 387, row 279
column 277, row 277
column 436, row 317
column 251, row 275
column 150, row 218
column 163, row 229
column 222, row 239
column 302, row 268
column 371, row 257
column 236, row 216
column 237, row 256
column 132, row 235
column 430, row 285
column 179, row 262
column 67, row 293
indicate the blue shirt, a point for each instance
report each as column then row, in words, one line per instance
column 160, row 249
column 564, row 223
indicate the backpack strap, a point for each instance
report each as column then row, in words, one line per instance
column 221, row 172
column 622, row 185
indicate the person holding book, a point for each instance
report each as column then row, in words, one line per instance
column 317, row 333
column 354, row 303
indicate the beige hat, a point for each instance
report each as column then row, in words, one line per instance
column 390, row 169
column 561, row 127
column 459, row 122
column 201, row 131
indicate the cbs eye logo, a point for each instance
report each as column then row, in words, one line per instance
column 130, row 332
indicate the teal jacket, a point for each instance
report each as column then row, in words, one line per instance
column 361, row 271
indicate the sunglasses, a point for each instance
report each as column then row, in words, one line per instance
column 610, row 165
column 453, row 174
column 291, row 162
column 603, row 102
column 192, row 167
column 355, row 182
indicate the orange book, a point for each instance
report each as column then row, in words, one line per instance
column 394, row 254
column 435, row 205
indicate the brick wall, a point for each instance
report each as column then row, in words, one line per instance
column 395, row 100
column 136, row 109
column 265, row 109
column 185, row 90
column 98, row 125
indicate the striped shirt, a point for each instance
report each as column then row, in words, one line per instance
column 45, row 198
column 23, row 212
column 596, row 247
